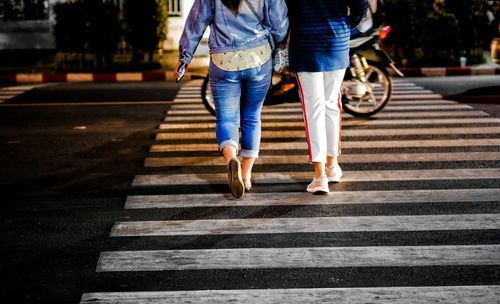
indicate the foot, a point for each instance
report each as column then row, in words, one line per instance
column 248, row 184
column 234, row 178
column 319, row 186
column 334, row 173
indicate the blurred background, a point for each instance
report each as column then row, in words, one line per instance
column 130, row 35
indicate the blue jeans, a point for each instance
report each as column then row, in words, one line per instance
column 238, row 97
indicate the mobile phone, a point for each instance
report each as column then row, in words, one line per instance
column 182, row 72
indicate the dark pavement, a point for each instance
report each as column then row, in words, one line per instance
column 67, row 170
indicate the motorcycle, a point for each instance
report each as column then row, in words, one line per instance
column 367, row 86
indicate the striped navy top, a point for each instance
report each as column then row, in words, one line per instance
column 320, row 32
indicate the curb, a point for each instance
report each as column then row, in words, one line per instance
column 167, row 76
column 88, row 77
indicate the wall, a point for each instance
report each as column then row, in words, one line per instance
column 32, row 34
column 176, row 26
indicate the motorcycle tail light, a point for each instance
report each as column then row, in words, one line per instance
column 384, row 32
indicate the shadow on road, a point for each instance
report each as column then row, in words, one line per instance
column 478, row 95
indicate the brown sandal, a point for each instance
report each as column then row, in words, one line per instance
column 234, row 178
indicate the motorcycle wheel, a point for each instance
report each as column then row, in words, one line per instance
column 206, row 96
column 377, row 96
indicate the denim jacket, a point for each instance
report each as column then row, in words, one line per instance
column 230, row 31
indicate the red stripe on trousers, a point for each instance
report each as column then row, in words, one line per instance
column 305, row 116
column 340, row 118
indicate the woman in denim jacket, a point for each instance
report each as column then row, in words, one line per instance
column 240, row 72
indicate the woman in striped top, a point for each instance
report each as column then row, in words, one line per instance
column 319, row 55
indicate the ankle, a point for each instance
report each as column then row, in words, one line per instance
column 229, row 152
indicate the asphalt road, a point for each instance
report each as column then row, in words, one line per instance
column 481, row 92
column 69, row 155
column 66, row 170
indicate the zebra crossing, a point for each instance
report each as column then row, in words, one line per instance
column 8, row 93
column 414, row 220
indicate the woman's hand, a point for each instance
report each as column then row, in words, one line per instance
column 177, row 71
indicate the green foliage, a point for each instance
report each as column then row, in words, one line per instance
column 103, row 26
column 96, row 27
column 434, row 32
column 88, row 26
column 145, row 23
column 70, row 27
column 162, row 18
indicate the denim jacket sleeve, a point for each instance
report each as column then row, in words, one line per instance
column 199, row 18
column 278, row 19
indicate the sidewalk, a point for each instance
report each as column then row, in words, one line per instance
column 488, row 68
column 199, row 67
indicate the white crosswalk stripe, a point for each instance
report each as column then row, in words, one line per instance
column 294, row 177
column 345, row 123
column 346, row 145
column 213, row 200
column 197, row 104
column 347, row 159
column 8, row 93
column 308, row 225
column 418, row 127
column 298, row 110
column 317, row 257
column 293, row 116
column 381, row 295
column 348, row 133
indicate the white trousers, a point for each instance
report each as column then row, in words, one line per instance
column 322, row 106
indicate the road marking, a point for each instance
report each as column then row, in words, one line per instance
column 409, row 114
column 288, row 116
column 415, row 96
column 421, row 107
column 191, row 94
column 283, row 225
column 408, row 91
column 319, row 257
column 302, row 177
column 77, row 104
column 423, row 102
column 297, row 110
column 20, row 88
column 345, row 123
column 425, row 107
column 302, row 145
column 197, row 105
column 189, row 89
column 4, row 98
column 296, row 103
column 347, row 133
column 11, row 90
column 181, row 101
column 214, row 200
column 347, row 159
column 8, row 93
column 375, row 295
